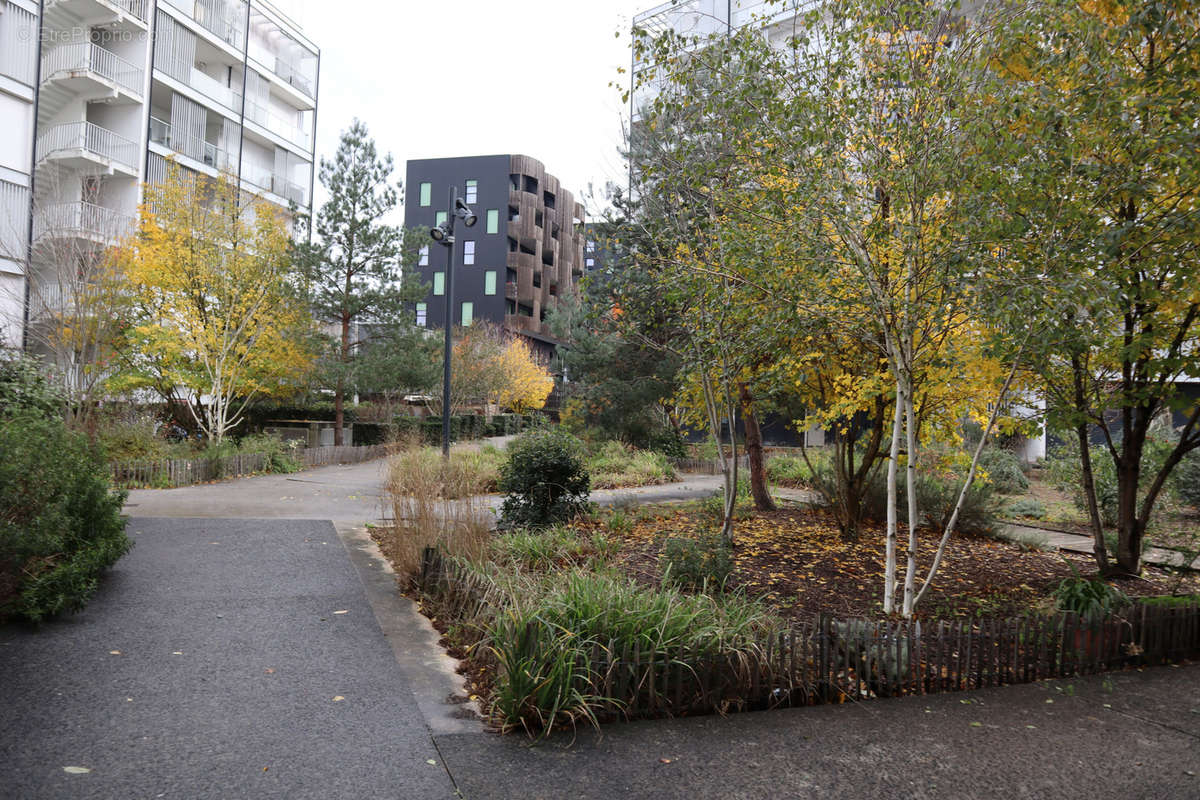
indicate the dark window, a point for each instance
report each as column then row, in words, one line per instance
column 512, row 245
column 514, row 181
column 525, row 311
column 531, row 184
column 510, row 275
column 538, row 219
column 527, row 250
column 510, row 306
column 537, row 280
column 513, row 214
column 548, row 199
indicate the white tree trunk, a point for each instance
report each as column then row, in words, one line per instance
column 889, row 573
column 910, row 569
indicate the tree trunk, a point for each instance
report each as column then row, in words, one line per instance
column 1130, row 531
column 910, row 567
column 339, row 397
column 889, row 575
column 1089, row 494
column 754, row 453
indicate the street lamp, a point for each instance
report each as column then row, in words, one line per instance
column 443, row 234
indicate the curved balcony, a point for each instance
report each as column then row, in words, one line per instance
column 81, row 220
column 85, row 145
column 86, row 67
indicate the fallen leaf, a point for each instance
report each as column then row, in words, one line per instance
column 177, row 653
column 114, row 652
column 431, row 761
column 269, row 671
column 341, row 612
column 337, row 698
column 77, row 770
column 664, row 761
column 976, row 724
column 1032, row 727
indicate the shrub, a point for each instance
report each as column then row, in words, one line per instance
column 790, row 471
column 278, row 455
column 937, row 494
column 26, row 389
column 61, row 526
column 135, row 438
column 1187, row 479
column 1087, row 597
column 669, row 442
column 697, row 563
column 544, row 478
column 1004, row 471
column 542, row 549
column 1029, row 507
column 618, row 466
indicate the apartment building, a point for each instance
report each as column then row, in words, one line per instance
column 526, row 251
column 19, row 25
column 224, row 87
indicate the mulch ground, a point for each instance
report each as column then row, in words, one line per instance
column 795, row 560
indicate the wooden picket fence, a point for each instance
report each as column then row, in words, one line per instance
column 176, row 472
column 706, row 466
column 831, row 660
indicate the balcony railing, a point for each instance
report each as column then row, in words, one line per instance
column 88, row 57
column 284, row 128
column 81, row 220
column 211, row 87
column 90, row 138
column 134, row 8
column 191, row 146
column 277, row 184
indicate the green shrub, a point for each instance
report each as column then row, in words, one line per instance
column 26, row 389
column 1087, row 597
column 668, row 442
column 543, row 478
column 937, row 494
column 61, row 526
column 1029, row 507
column 543, row 549
column 136, row 439
column 1004, row 471
column 1187, row 479
column 713, row 506
column 278, row 455
column 790, row 471
column 703, row 562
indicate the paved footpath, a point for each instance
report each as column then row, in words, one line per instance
column 211, row 663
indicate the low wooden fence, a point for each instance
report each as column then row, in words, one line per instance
column 175, row 472
column 706, row 466
column 832, row 660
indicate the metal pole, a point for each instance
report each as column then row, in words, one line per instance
column 449, row 287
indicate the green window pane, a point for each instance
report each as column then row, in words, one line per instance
column 468, row 313
column 426, row 194
column 439, row 283
column 489, row 282
column 422, row 314
column 472, row 191
column 493, row 220
column 441, row 218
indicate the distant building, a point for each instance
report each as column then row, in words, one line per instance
column 526, row 251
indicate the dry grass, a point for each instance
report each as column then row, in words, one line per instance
column 436, row 503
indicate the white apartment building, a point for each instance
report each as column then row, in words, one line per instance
column 222, row 86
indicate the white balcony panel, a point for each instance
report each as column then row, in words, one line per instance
column 83, row 141
column 82, row 220
column 83, row 60
column 163, row 133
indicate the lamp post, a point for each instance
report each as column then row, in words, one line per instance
column 444, row 235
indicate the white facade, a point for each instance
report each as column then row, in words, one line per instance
column 225, row 87
column 18, row 81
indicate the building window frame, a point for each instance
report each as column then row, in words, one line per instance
column 489, row 282
column 466, row 315
column 423, row 256
column 426, row 194
column 439, row 284
column 471, row 190
column 422, row 315
column 493, row 220
column 468, row 252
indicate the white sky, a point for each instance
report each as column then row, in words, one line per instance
column 398, row 65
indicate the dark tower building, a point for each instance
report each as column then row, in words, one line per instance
column 526, row 251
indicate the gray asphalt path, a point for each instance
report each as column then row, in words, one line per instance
column 221, row 659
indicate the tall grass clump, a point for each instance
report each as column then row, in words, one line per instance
column 551, row 649
column 618, row 466
column 438, row 503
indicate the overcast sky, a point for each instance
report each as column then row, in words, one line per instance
column 538, row 70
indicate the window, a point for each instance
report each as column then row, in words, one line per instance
column 440, row 219
column 591, row 247
column 493, row 220
column 422, row 315
column 468, row 253
column 591, row 262
column 426, row 194
column 468, row 313
column 489, row 282
column 439, row 283
column 424, row 256
column 472, row 191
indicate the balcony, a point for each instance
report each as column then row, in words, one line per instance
column 230, row 29
column 212, row 88
column 161, row 133
column 268, row 181
column 81, row 221
column 510, row 290
column 84, row 145
column 100, row 9
column 83, row 66
column 285, row 129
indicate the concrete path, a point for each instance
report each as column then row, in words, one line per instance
column 221, row 659
column 1075, row 543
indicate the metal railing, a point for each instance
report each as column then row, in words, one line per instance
column 88, row 57
column 90, row 138
column 86, row 220
column 207, row 85
column 191, row 146
column 284, row 128
column 277, row 184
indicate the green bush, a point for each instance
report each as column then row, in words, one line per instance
column 135, row 438
column 542, row 549
column 618, row 466
column 791, row 471
column 702, row 562
column 61, row 526
column 1029, row 507
column 1004, row 471
column 26, row 389
column 669, row 442
column 1187, row 479
column 1087, row 597
column 937, row 494
column 543, row 478
column 278, row 455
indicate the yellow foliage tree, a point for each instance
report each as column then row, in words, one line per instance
column 214, row 310
column 526, row 383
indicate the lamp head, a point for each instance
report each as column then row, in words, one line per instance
column 464, row 212
column 441, row 234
